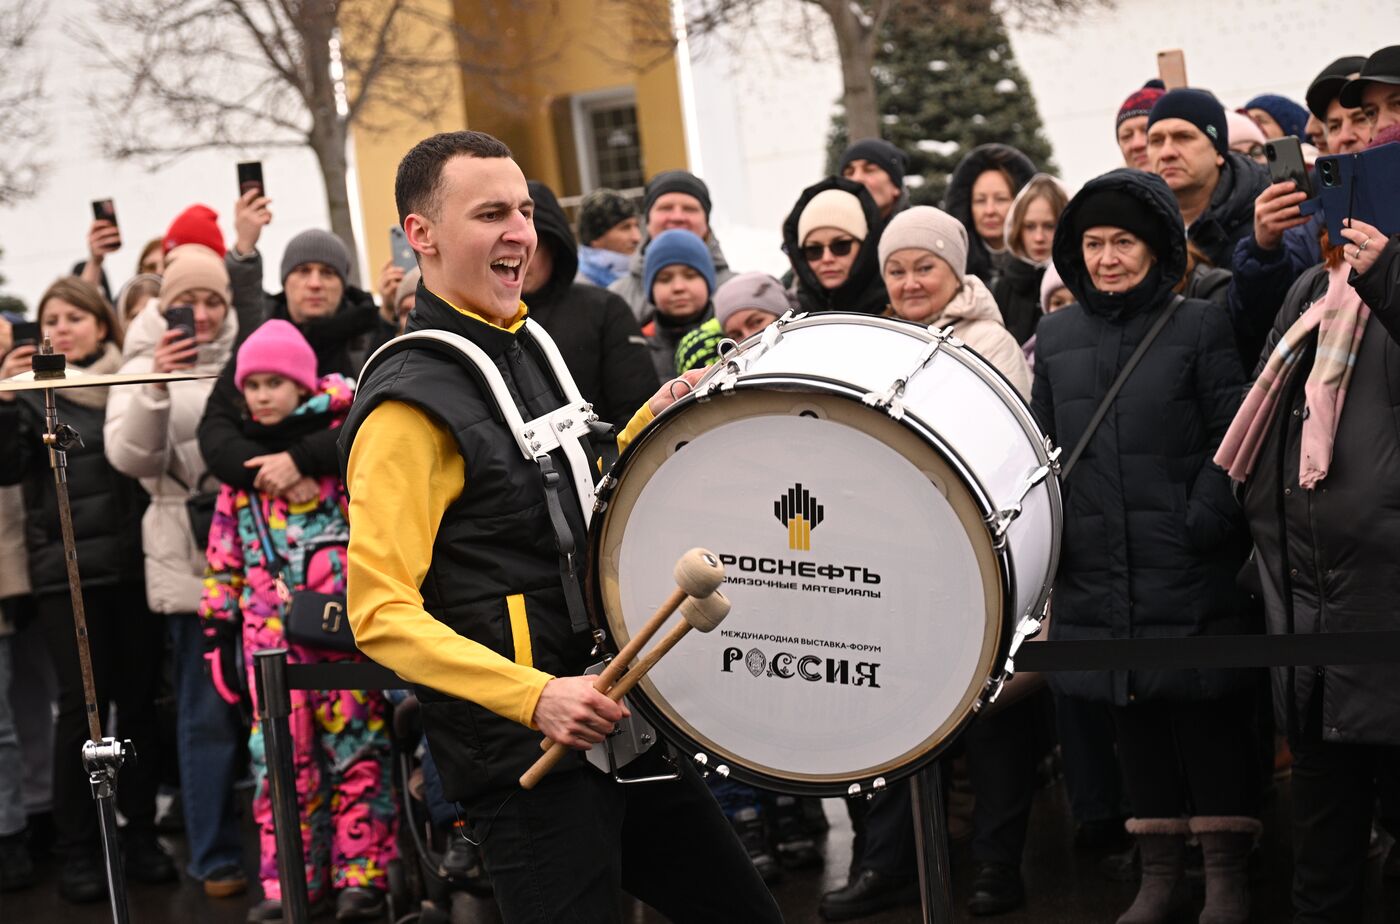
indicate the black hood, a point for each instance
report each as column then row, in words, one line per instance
column 1159, row 205
column 552, row 226
column 330, row 337
column 957, row 201
column 857, row 293
column 1231, row 210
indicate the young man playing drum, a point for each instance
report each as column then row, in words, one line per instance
column 456, row 581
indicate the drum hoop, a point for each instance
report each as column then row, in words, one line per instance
column 980, row 367
column 1005, row 570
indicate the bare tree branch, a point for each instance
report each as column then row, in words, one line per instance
column 23, row 163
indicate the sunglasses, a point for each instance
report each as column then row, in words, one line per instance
column 839, row 248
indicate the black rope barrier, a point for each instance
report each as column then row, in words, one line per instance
column 1206, row 651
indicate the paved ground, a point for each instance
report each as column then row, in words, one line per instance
column 1064, row 885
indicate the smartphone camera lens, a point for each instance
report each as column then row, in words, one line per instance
column 1270, row 152
column 1328, row 173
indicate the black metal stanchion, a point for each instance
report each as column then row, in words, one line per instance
column 931, row 844
column 275, row 706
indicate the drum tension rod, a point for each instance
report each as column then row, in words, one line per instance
column 889, row 399
column 1000, row 522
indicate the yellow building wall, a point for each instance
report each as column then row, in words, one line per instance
column 518, row 87
column 377, row 153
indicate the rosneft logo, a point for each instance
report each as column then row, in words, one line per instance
column 801, row 514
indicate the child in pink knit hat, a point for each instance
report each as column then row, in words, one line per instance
column 263, row 549
column 276, row 371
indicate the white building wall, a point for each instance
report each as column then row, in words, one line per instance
column 764, row 107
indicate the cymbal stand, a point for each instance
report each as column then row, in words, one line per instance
column 102, row 757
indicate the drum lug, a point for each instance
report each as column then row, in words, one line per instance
column 702, row 761
column 722, row 379
column 1053, row 453
column 945, row 335
column 1000, row 522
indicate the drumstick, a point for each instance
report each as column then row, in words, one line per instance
column 704, row 614
column 698, row 573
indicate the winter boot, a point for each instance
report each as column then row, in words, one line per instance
column 1226, row 842
column 1162, row 892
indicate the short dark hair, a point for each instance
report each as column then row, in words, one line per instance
column 420, row 171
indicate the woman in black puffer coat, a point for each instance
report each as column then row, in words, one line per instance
column 1153, row 537
column 126, row 639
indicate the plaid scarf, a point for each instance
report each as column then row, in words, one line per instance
column 1339, row 318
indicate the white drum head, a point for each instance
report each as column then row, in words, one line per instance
column 867, row 599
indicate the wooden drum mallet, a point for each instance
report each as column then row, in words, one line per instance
column 703, row 613
column 698, row 573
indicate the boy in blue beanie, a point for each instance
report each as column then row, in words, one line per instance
column 680, row 283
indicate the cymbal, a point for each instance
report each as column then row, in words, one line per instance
column 74, row 378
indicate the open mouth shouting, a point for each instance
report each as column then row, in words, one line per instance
column 508, row 269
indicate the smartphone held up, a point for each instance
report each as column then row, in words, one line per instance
column 181, row 318
column 250, row 177
column 106, row 210
column 1171, row 67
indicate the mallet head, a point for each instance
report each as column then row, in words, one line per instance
column 699, row 573
column 705, row 613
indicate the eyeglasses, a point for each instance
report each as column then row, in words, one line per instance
column 839, row 248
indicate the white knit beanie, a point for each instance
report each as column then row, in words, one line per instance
column 924, row 227
column 832, row 208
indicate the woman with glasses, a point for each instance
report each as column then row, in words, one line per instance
column 831, row 236
column 1246, row 137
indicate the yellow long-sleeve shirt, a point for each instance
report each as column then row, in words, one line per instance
column 404, row 471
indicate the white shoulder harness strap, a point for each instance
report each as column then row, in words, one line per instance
column 559, row 429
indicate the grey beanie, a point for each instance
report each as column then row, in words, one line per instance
column 750, row 290
column 924, row 227
column 316, row 246
column 408, row 285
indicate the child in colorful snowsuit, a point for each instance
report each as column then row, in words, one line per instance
column 342, row 751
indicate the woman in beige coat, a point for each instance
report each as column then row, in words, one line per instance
column 150, row 435
column 923, row 258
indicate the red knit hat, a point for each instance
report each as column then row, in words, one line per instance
column 277, row 347
column 1139, row 104
column 198, row 224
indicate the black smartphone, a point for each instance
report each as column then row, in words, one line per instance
column 26, row 333
column 1285, row 158
column 104, row 210
column 399, row 248
column 250, row 176
column 181, row 318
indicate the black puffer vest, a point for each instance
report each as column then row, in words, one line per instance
column 495, row 542
column 106, row 505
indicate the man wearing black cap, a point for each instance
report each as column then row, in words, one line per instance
column 878, row 166
column 1376, row 90
column 1285, row 243
column 674, row 199
column 1188, row 145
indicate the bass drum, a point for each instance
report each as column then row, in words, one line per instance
column 888, row 516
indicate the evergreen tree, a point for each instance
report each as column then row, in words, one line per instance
column 945, row 84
